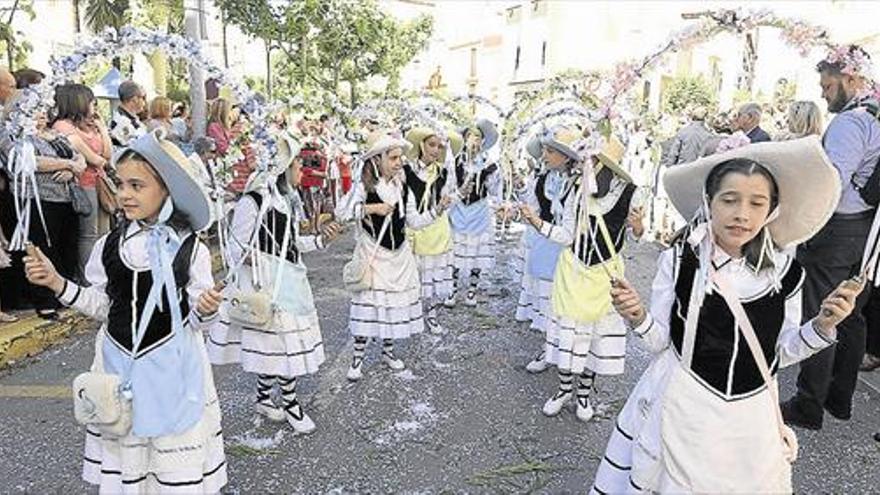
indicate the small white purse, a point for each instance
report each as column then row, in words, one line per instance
column 99, row 401
column 357, row 274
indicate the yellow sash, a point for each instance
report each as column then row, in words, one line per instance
column 583, row 293
column 435, row 238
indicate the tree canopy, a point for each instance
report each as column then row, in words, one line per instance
column 12, row 40
column 686, row 92
column 324, row 42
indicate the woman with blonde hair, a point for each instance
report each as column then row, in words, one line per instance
column 803, row 119
column 160, row 115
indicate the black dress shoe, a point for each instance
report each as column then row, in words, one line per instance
column 794, row 416
column 838, row 412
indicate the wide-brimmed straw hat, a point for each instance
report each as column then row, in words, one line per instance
column 809, row 186
column 563, row 139
column 179, row 175
column 416, row 136
column 286, row 150
column 456, row 142
column 611, row 156
column 489, row 132
column 383, row 140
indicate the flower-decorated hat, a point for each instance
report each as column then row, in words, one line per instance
column 287, row 150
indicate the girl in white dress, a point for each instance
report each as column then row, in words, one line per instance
column 151, row 287
column 386, row 303
column 266, row 247
column 725, row 315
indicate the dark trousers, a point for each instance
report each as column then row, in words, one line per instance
column 62, row 224
column 872, row 317
column 828, row 378
column 12, row 281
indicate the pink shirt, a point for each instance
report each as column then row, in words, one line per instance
column 93, row 140
column 220, row 136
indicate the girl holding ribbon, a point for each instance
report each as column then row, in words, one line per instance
column 151, row 287
column 583, row 338
column 430, row 177
column 725, row 315
column 478, row 180
column 545, row 198
column 383, row 275
column 266, row 246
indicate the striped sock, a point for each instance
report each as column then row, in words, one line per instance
column 565, row 383
column 585, row 386
column 475, row 278
column 360, row 347
column 288, row 396
column 264, row 389
column 388, row 348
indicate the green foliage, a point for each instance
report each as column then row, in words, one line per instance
column 107, row 13
column 12, row 42
column 326, row 42
column 256, row 83
column 686, row 92
column 162, row 15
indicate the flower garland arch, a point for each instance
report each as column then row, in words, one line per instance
column 615, row 111
column 22, row 116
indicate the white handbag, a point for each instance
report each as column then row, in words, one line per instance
column 255, row 306
column 98, row 400
column 103, row 400
column 357, row 275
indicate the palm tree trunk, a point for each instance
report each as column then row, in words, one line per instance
column 225, row 50
column 352, row 91
column 77, row 27
column 159, row 63
column 10, row 54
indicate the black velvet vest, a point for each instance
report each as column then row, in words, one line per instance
column 395, row 233
column 545, row 204
column 476, row 193
column 714, row 345
column 615, row 220
column 271, row 234
column 121, row 293
column 419, row 188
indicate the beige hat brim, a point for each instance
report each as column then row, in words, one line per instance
column 416, row 136
column 456, row 142
column 615, row 167
column 287, row 150
column 179, row 175
column 384, row 144
column 809, row 186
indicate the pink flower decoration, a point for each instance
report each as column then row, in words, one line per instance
column 736, row 140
